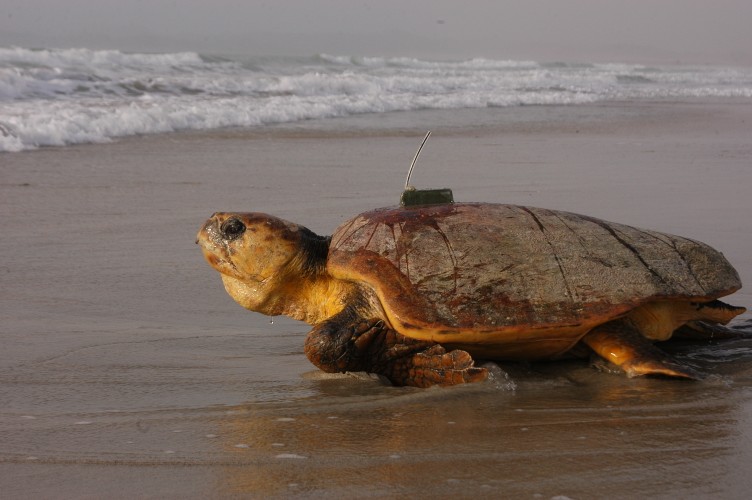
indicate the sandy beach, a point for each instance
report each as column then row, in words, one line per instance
column 126, row 371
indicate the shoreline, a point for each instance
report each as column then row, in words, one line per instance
column 486, row 121
column 455, row 122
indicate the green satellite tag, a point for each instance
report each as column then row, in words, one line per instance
column 413, row 197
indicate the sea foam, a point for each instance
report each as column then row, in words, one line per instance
column 55, row 97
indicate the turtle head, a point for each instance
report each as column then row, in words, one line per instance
column 250, row 247
column 261, row 257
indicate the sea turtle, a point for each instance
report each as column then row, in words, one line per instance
column 415, row 293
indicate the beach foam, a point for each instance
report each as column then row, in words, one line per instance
column 66, row 96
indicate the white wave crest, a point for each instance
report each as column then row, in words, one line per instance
column 92, row 58
column 409, row 62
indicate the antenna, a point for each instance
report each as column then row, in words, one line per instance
column 416, row 197
column 415, row 159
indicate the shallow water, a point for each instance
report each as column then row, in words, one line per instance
column 126, row 371
column 531, row 431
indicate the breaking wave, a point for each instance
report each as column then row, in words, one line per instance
column 54, row 97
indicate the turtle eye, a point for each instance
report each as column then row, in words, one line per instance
column 232, row 228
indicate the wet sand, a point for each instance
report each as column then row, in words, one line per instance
column 127, row 372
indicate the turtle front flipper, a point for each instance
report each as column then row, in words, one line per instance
column 346, row 343
column 623, row 345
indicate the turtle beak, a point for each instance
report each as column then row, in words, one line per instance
column 215, row 247
column 208, row 236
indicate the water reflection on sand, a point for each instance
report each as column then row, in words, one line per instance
column 565, row 432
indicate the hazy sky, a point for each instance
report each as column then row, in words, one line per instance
column 694, row 31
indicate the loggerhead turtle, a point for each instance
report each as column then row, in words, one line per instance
column 415, row 293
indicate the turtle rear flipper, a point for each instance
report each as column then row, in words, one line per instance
column 700, row 330
column 348, row 343
column 621, row 344
column 717, row 311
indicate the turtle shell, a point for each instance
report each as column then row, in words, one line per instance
column 526, row 280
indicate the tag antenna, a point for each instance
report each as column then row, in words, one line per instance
column 415, row 159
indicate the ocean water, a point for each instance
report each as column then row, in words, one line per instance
column 56, row 97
